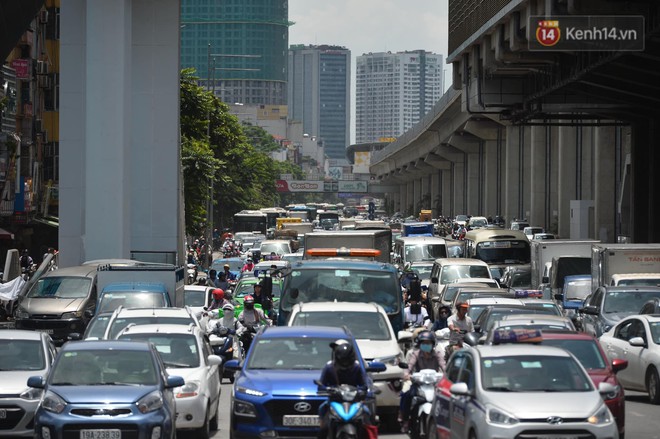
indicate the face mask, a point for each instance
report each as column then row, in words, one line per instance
column 229, row 313
column 249, row 305
column 426, row 347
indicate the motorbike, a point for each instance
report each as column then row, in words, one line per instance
column 223, row 342
column 423, row 388
column 192, row 274
column 247, row 336
column 346, row 411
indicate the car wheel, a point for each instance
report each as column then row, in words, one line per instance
column 653, row 385
column 204, row 432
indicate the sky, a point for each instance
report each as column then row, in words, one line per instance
column 364, row 26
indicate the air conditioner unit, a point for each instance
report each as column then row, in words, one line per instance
column 43, row 16
column 42, row 68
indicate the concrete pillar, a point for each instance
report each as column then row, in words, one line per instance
column 460, row 187
column 552, row 179
column 447, row 193
column 567, row 178
column 436, row 195
column 537, row 173
column 403, row 202
column 410, row 197
column 605, row 183
column 490, row 184
column 512, row 189
column 474, row 185
column 121, row 182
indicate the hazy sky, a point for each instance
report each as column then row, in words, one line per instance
column 364, row 26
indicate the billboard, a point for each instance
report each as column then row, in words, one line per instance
column 299, row 186
column 353, row 186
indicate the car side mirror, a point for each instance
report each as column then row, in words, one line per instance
column 460, row 389
column 74, row 336
column 618, row 364
column 375, row 366
column 590, row 309
column 477, row 328
column 36, row 382
column 606, row 388
column 89, row 313
column 233, row 365
column 174, row 381
column 637, row 341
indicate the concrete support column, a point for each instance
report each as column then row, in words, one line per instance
column 410, row 197
column 512, row 165
column 537, row 173
column 490, row 184
column 474, row 185
column 447, row 191
column 436, row 195
column 417, row 194
column 604, row 183
column 403, row 201
column 566, row 187
column 460, row 188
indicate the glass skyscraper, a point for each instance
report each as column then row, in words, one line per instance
column 319, row 94
column 248, row 47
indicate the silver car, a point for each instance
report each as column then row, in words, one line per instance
column 520, row 391
column 24, row 353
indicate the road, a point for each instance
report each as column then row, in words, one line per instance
column 642, row 420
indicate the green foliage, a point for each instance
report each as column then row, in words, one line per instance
column 260, row 138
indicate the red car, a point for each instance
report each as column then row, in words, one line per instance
column 588, row 351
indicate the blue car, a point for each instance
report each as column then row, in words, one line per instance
column 274, row 394
column 106, row 389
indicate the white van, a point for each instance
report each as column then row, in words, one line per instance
column 448, row 270
column 418, row 248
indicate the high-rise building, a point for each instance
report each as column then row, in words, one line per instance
column 394, row 91
column 319, row 94
column 238, row 46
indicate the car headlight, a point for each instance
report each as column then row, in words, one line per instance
column 151, row 402
column 392, row 360
column 31, row 394
column 190, row 389
column 72, row 315
column 21, row 313
column 497, row 416
column 252, row 392
column 602, row 416
column 53, row 402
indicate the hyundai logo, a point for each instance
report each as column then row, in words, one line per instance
column 302, row 407
column 554, row 420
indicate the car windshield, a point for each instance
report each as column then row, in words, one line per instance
column 465, row 295
column 245, row 288
column 104, row 367
column 450, row 273
column 56, row 287
column 504, row 252
column 478, row 222
column 97, row 326
column 543, row 307
column 639, row 282
column 423, row 271
column 344, row 285
column 425, row 252
column 122, row 322
column 521, row 279
column 112, row 301
column 627, row 301
column 21, row 355
column 577, row 289
column 586, row 351
column 308, row 353
column 533, row 373
column 363, row 325
column 279, row 248
column 194, row 298
column 176, row 350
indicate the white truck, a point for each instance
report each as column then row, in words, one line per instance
column 119, row 279
column 544, row 251
column 608, row 260
column 362, row 239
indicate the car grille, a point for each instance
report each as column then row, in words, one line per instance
column 128, row 431
column 101, row 412
column 43, row 323
column 277, row 408
column 14, row 416
column 534, row 434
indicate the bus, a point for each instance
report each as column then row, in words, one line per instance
column 498, row 248
column 250, row 221
column 272, row 214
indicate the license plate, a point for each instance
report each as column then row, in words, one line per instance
column 3, row 414
column 47, row 331
column 301, row 421
column 100, row 434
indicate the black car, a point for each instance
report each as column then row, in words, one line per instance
column 606, row 306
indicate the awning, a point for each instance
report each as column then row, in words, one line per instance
column 5, row 235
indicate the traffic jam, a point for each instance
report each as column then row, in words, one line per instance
column 325, row 321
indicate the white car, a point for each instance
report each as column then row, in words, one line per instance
column 24, row 354
column 106, row 327
column 187, row 353
column 636, row 339
column 197, row 297
column 369, row 324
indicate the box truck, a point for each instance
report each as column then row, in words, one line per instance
column 542, row 253
column 608, row 260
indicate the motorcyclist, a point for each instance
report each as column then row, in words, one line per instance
column 212, row 280
column 248, row 267
column 415, row 315
column 343, row 368
column 26, row 260
column 251, row 317
column 218, row 300
column 228, row 273
column 228, row 320
column 425, row 357
column 459, row 324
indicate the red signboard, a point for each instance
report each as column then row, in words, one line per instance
column 22, row 67
column 282, row 186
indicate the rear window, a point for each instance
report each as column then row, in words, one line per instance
column 363, row 325
column 120, row 323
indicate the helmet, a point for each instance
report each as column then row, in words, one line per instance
column 249, row 260
column 425, row 336
column 343, row 355
column 248, row 302
column 228, row 306
column 218, row 294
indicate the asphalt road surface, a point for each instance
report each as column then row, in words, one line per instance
column 642, row 419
